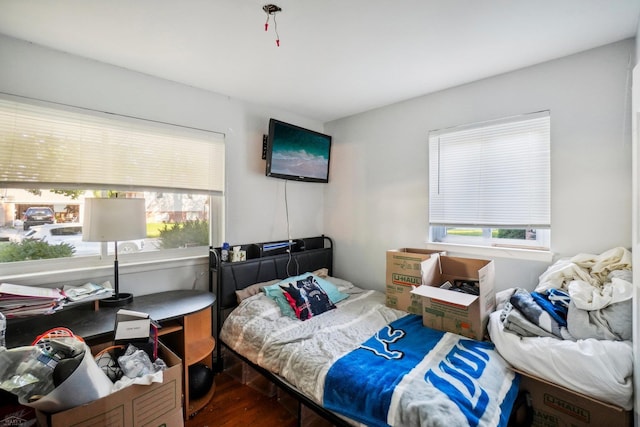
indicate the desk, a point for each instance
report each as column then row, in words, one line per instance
column 185, row 316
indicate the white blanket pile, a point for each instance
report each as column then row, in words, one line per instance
column 591, row 353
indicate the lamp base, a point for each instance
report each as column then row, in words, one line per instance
column 115, row 301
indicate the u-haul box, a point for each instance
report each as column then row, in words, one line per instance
column 553, row 405
column 403, row 274
column 452, row 311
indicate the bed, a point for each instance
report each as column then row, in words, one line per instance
column 359, row 362
column 591, row 350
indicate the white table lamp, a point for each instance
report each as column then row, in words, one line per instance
column 113, row 220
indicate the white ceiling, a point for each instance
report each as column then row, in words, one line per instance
column 336, row 57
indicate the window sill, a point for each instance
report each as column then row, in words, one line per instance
column 502, row 252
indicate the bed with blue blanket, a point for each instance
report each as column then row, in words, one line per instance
column 373, row 365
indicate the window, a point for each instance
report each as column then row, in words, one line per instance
column 55, row 156
column 489, row 183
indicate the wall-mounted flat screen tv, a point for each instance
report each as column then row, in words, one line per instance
column 296, row 153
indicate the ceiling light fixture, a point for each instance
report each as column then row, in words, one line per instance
column 271, row 10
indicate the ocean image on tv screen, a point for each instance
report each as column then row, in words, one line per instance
column 299, row 153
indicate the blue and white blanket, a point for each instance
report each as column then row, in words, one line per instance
column 410, row 375
column 442, row 379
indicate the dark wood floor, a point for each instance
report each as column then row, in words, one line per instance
column 235, row 404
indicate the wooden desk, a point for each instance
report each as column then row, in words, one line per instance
column 185, row 316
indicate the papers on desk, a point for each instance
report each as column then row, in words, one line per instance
column 87, row 292
column 22, row 301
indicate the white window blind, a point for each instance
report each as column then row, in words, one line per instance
column 492, row 175
column 41, row 144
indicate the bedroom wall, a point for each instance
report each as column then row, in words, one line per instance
column 255, row 209
column 377, row 198
column 379, row 163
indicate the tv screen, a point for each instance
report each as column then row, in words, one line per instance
column 297, row 153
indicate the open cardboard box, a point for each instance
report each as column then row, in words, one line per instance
column 156, row 404
column 451, row 311
column 403, row 274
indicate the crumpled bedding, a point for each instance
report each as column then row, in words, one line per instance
column 599, row 289
column 528, row 306
column 593, row 281
column 593, row 354
column 602, row 369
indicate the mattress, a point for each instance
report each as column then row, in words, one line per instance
column 306, row 354
column 258, row 331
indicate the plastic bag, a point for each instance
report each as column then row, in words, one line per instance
column 135, row 363
column 55, row 373
column 26, row 371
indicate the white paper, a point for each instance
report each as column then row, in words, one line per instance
column 132, row 329
column 30, row 291
column 125, row 314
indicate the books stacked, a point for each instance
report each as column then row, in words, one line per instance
column 23, row 301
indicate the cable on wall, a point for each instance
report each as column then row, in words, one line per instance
column 272, row 10
column 286, row 207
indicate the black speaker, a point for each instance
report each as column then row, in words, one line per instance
column 200, row 380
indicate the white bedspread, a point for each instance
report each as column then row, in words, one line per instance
column 602, row 369
column 262, row 317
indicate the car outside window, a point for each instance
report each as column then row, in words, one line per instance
column 38, row 216
column 175, row 221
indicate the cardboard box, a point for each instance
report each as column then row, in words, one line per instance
column 457, row 312
column 12, row 413
column 403, row 274
column 157, row 404
column 557, row 406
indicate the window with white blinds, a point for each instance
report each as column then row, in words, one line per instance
column 495, row 174
column 55, row 156
column 54, row 146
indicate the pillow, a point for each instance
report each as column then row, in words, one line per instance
column 275, row 292
column 341, row 284
column 306, row 297
column 252, row 290
column 321, row 272
column 334, row 293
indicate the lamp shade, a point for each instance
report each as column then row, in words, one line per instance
column 114, row 219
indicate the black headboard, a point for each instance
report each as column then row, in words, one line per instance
column 266, row 264
column 265, row 261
